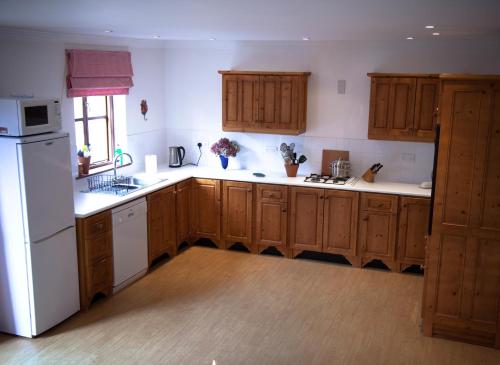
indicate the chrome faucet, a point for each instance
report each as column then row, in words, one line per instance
column 116, row 160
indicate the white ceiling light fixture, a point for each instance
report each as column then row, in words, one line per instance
column 306, row 38
column 108, row 31
column 156, row 36
column 429, row 27
column 212, row 39
column 435, row 33
column 410, row 38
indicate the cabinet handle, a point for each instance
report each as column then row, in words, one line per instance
column 321, row 197
column 365, row 219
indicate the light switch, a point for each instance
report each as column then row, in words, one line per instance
column 340, row 86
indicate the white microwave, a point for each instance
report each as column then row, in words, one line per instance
column 24, row 117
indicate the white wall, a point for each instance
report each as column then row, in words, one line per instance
column 193, row 97
column 35, row 65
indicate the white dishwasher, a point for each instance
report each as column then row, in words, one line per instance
column 130, row 243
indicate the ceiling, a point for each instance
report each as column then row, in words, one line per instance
column 318, row 20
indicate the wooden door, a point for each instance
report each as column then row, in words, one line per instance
column 240, row 95
column 183, row 210
column 237, row 212
column 340, row 223
column 162, row 235
column 413, row 222
column 462, row 290
column 271, row 215
column 392, row 107
column 426, row 105
column 306, row 219
column 269, row 102
column 206, row 209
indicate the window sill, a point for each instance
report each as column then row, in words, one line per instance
column 101, row 169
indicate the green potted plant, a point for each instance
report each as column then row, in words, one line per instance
column 83, row 155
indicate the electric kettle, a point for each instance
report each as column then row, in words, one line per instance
column 175, row 156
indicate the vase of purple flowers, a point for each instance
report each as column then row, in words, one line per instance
column 224, row 148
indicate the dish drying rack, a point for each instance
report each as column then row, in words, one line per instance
column 107, row 183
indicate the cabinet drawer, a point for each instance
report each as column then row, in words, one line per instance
column 99, row 247
column 97, row 224
column 379, row 203
column 100, row 275
column 272, row 192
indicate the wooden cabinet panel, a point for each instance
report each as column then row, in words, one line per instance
column 462, row 287
column 426, row 104
column 183, row 211
column 206, row 213
column 403, row 107
column 413, row 222
column 237, row 212
column 379, row 203
column 95, row 256
column 162, row 235
column 340, row 222
column 271, row 216
column 264, row 102
column 306, row 218
column 377, row 234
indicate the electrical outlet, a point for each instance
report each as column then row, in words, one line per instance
column 408, row 157
column 271, row 149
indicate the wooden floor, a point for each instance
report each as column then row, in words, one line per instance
column 239, row 308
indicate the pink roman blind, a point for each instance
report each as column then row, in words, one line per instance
column 92, row 73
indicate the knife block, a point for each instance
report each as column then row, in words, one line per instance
column 369, row 176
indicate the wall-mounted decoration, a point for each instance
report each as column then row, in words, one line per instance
column 144, row 108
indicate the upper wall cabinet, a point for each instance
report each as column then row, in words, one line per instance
column 264, row 102
column 403, row 107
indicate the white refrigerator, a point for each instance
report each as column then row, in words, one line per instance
column 38, row 255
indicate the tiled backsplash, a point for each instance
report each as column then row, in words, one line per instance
column 403, row 161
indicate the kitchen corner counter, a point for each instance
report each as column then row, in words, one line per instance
column 87, row 204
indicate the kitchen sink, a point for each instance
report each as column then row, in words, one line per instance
column 122, row 185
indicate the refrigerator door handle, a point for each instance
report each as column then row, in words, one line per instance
column 52, row 235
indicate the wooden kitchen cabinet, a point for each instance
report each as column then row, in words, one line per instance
column 95, row 256
column 378, row 228
column 413, row 223
column 462, row 269
column 264, row 102
column 271, row 217
column 183, row 204
column 162, row 223
column 403, row 107
column 237, row 214
column 340, row 224
column 206, row 212
column 306, row 219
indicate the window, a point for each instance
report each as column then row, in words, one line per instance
column 94, row 127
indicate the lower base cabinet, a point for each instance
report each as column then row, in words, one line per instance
column 95, row 256
column 271, row 217
column 206, row 210
column 183, row 206
column 162, row 237
column 237, row 213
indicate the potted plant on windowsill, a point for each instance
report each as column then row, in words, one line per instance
column 83, row 155
column 224, row 148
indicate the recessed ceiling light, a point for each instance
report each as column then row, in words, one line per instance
column 429, row 27
column 410, row 38
column 108, row 31
column 156, row 36
column 212, row 39
column 305, row 38
column 435, row 33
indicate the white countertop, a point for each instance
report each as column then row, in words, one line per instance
column 87, row 204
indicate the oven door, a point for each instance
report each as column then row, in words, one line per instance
column 39, row 116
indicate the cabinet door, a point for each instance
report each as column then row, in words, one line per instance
column 271, row 215
column 161, row 223
column 377, row 234
column 240, row 94
column 237, row 211
column 206, row 209
column 413, row 221
column 340, row 222
column 183, row 205
column 306, row 218
column 426, row 105
column 392, row 107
